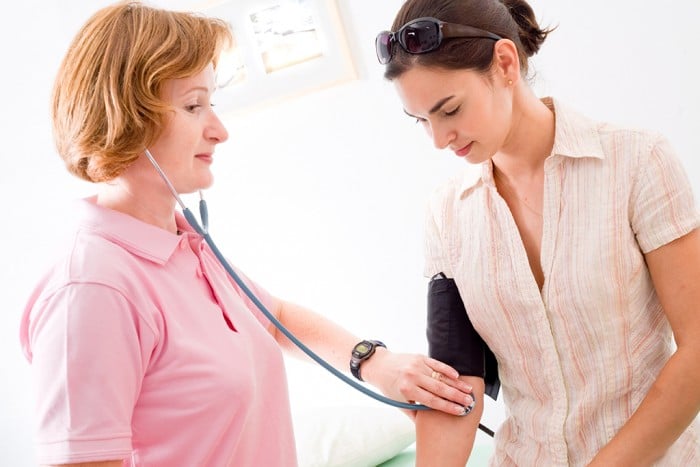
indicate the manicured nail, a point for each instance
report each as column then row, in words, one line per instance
column 468, row 407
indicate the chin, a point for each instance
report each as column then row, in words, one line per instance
column 195, row 187
column 475, row 159
column 204, row 183
column 478, row 157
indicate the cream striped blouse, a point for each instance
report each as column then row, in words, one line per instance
column 576, row 359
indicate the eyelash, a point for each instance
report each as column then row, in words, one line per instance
column 454, row 112
column 193, row 107
column 447, row 114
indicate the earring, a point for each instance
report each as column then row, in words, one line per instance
column 510, row 82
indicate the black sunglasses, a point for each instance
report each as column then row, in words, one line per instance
column 424, row 35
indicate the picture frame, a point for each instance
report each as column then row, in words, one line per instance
column 283, row 48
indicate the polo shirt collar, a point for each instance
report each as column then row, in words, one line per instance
column 137, row 237
column 575, row 136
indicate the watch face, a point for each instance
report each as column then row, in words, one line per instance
column 362, row 348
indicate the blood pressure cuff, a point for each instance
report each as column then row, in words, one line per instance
column 453, row 340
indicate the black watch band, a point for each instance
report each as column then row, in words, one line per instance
column 361, row 352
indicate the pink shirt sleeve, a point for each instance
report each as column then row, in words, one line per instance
column 90, row 349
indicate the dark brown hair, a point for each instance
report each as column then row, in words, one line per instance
column 107, row 104
column 510, row 19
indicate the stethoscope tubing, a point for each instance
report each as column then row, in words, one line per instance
column 203, row 230
column 237, row 279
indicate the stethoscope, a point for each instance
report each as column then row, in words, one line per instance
column 203, row 230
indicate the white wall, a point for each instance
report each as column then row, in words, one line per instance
column 321, row 198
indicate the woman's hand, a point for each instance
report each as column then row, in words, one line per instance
column 419, row 379
column 402, row 377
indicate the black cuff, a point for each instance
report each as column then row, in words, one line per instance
column 452, row 338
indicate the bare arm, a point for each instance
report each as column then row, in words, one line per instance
column 674, row 399
column 399, row 376
column 446, row 440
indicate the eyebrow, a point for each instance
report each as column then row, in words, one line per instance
column 435, row 108
column 439, row 104
column 196, row 88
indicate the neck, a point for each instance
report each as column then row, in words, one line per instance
column 149, row 202
column 531, row 137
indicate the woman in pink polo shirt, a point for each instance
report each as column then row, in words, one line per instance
column 572, row 256
column 145, row 351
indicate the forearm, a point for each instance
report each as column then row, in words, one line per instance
column 332, row 342
column 670, row 406
column 447, row 440
column 399, row 376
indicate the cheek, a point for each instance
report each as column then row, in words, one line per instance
column 502, row 113
column 164, row 142
column 485, row 119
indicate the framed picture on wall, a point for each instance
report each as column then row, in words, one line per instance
column 283, row 48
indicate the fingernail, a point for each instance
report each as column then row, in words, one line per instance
column 469, row 400
column 466, row 409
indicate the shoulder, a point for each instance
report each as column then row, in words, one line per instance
column 88, row 258
column 578, row 135
column 95, row 258
column 455, row 189
column 92, row 278
column 629, row 141
column 439, row 202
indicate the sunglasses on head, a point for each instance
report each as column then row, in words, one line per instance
column 423, row 35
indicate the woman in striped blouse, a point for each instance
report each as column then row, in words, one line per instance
column 575, row 251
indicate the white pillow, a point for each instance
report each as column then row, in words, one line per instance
column 350, row 436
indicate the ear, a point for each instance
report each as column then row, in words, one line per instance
column 506, row 63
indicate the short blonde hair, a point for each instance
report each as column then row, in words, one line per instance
column 107, row 104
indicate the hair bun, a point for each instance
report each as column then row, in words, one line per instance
column 530, row 34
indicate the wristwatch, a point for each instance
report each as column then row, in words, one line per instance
column 361, row 352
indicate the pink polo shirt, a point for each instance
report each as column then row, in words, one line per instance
column 142, row 348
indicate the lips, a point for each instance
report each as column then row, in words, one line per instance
column 464, row 151
column 205, row 158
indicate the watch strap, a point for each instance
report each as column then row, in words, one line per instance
column 357, row 360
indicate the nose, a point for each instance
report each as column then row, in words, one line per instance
column 442, row 135
column 216, row 131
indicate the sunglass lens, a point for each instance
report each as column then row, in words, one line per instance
column 383, row 46
column 420, row 37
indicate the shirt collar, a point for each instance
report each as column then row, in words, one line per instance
column 575, row 136
column 137, row 237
